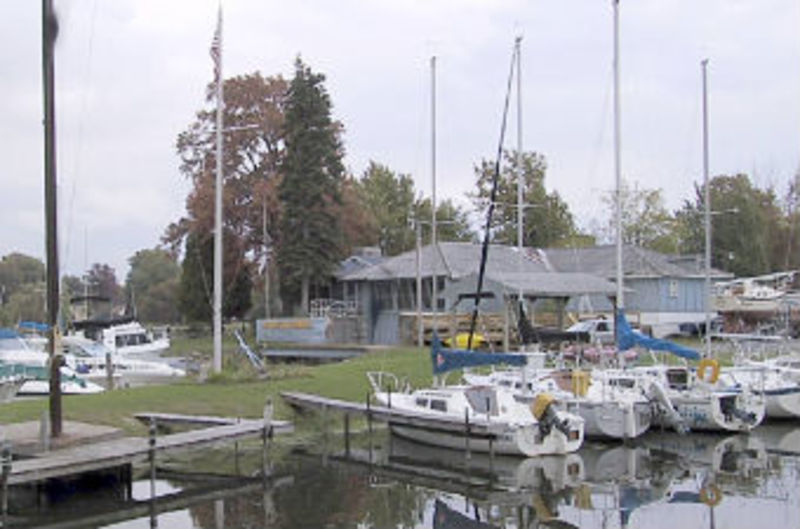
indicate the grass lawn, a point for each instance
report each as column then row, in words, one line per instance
column 235, row 393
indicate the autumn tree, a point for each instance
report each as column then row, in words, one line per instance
column 253, row 147
column 310, row 238
column 547, row 220
column 101, row 280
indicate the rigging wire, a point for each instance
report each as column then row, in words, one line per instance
column 492, row 199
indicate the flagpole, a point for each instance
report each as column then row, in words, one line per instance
column 218, row 199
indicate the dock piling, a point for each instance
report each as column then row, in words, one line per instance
column 467, row 453
column 347, row 434
column 6, row 455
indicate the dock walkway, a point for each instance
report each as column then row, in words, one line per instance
column 128, row 450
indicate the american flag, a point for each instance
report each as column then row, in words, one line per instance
column 216, row 48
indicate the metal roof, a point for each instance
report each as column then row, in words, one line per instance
column 455, row 260
column 555, row 284
column 636, row 261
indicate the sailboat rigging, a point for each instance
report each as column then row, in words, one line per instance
column 492, row 199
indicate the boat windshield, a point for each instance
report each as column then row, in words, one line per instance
column 482, row 399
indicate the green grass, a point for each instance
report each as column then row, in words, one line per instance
column 235, row 393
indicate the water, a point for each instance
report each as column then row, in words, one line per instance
column 663, row 480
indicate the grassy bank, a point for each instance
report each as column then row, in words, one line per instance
column 232, row 394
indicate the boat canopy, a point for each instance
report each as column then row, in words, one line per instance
column 445, row 360
column 627, row 338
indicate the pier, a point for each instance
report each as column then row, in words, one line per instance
column 114, row 453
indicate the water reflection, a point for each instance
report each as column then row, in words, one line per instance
column 694, row 481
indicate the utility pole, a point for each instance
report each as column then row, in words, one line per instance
column 49, row 34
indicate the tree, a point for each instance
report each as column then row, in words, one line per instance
column 152, row 285
column 646, row 222
column 547, row 220
column 253, row 147
column 102, row 281
column 195, row 290
column 389, row 199
column 16, row 271
column 745, row 222
column 310, row 240
column 452, row 221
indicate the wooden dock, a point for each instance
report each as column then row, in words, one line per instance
column 476, row 427
column 118, row 452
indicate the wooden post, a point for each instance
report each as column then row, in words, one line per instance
column 347, row 435
column 466, row 436
column 369, row 428
column 152, row 456
column 109, row 371
column 6, row 472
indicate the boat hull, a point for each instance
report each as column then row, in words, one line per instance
column 715, row 413
column 613, row 420
column 516, row 441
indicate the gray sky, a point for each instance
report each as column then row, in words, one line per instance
column 131, row 74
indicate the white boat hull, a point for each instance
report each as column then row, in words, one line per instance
column 612, row 420
column 517, row 441
column 708, row 414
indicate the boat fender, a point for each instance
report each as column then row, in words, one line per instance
column 711, row 495
column 540, row 405
column 704, row 364
column 580, row 383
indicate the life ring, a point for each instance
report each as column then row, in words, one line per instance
column 701, row 370
column 711, row 495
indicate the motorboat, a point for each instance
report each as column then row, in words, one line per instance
column 131, row 338
column 775, row 384
column 18, row 360
column 519, row 429
column 91, row 360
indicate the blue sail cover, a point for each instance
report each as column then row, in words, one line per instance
column 445, row 360
column 627, row 338
column 33, row 326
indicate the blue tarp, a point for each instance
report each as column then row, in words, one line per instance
column 7, row 334
column 445, row 360
column 33, row 326
column 627, row 338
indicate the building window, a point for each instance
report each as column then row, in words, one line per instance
column 673, row 288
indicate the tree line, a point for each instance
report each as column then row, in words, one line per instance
column 293, row 211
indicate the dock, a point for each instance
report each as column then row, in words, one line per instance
column 476, row 427
column 113, row 453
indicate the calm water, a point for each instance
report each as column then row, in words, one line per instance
column 662, row 481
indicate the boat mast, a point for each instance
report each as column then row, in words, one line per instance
column 520, row 173
column 706, row 213
column 49, row 33
column 218, row 203
column 434, row 242
column 617, row 161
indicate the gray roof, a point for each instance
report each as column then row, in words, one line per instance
column 355, row 263
column 636, row 262
column 455, row 260
column 555, row 284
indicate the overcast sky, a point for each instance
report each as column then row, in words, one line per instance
column 131, row 74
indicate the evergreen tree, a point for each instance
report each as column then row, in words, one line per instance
column 310, row 239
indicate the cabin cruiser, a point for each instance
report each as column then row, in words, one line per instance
column 775, row 384
column 131, row 338
column 91, row 359
column 520, row 429
column 18, row 360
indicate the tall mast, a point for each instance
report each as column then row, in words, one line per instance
column 218, row 203
column 49, row 33
column 617, row 160
column 434, row 242
column 520, row 187
column 706, row 213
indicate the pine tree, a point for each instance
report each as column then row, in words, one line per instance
column 310, row 239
